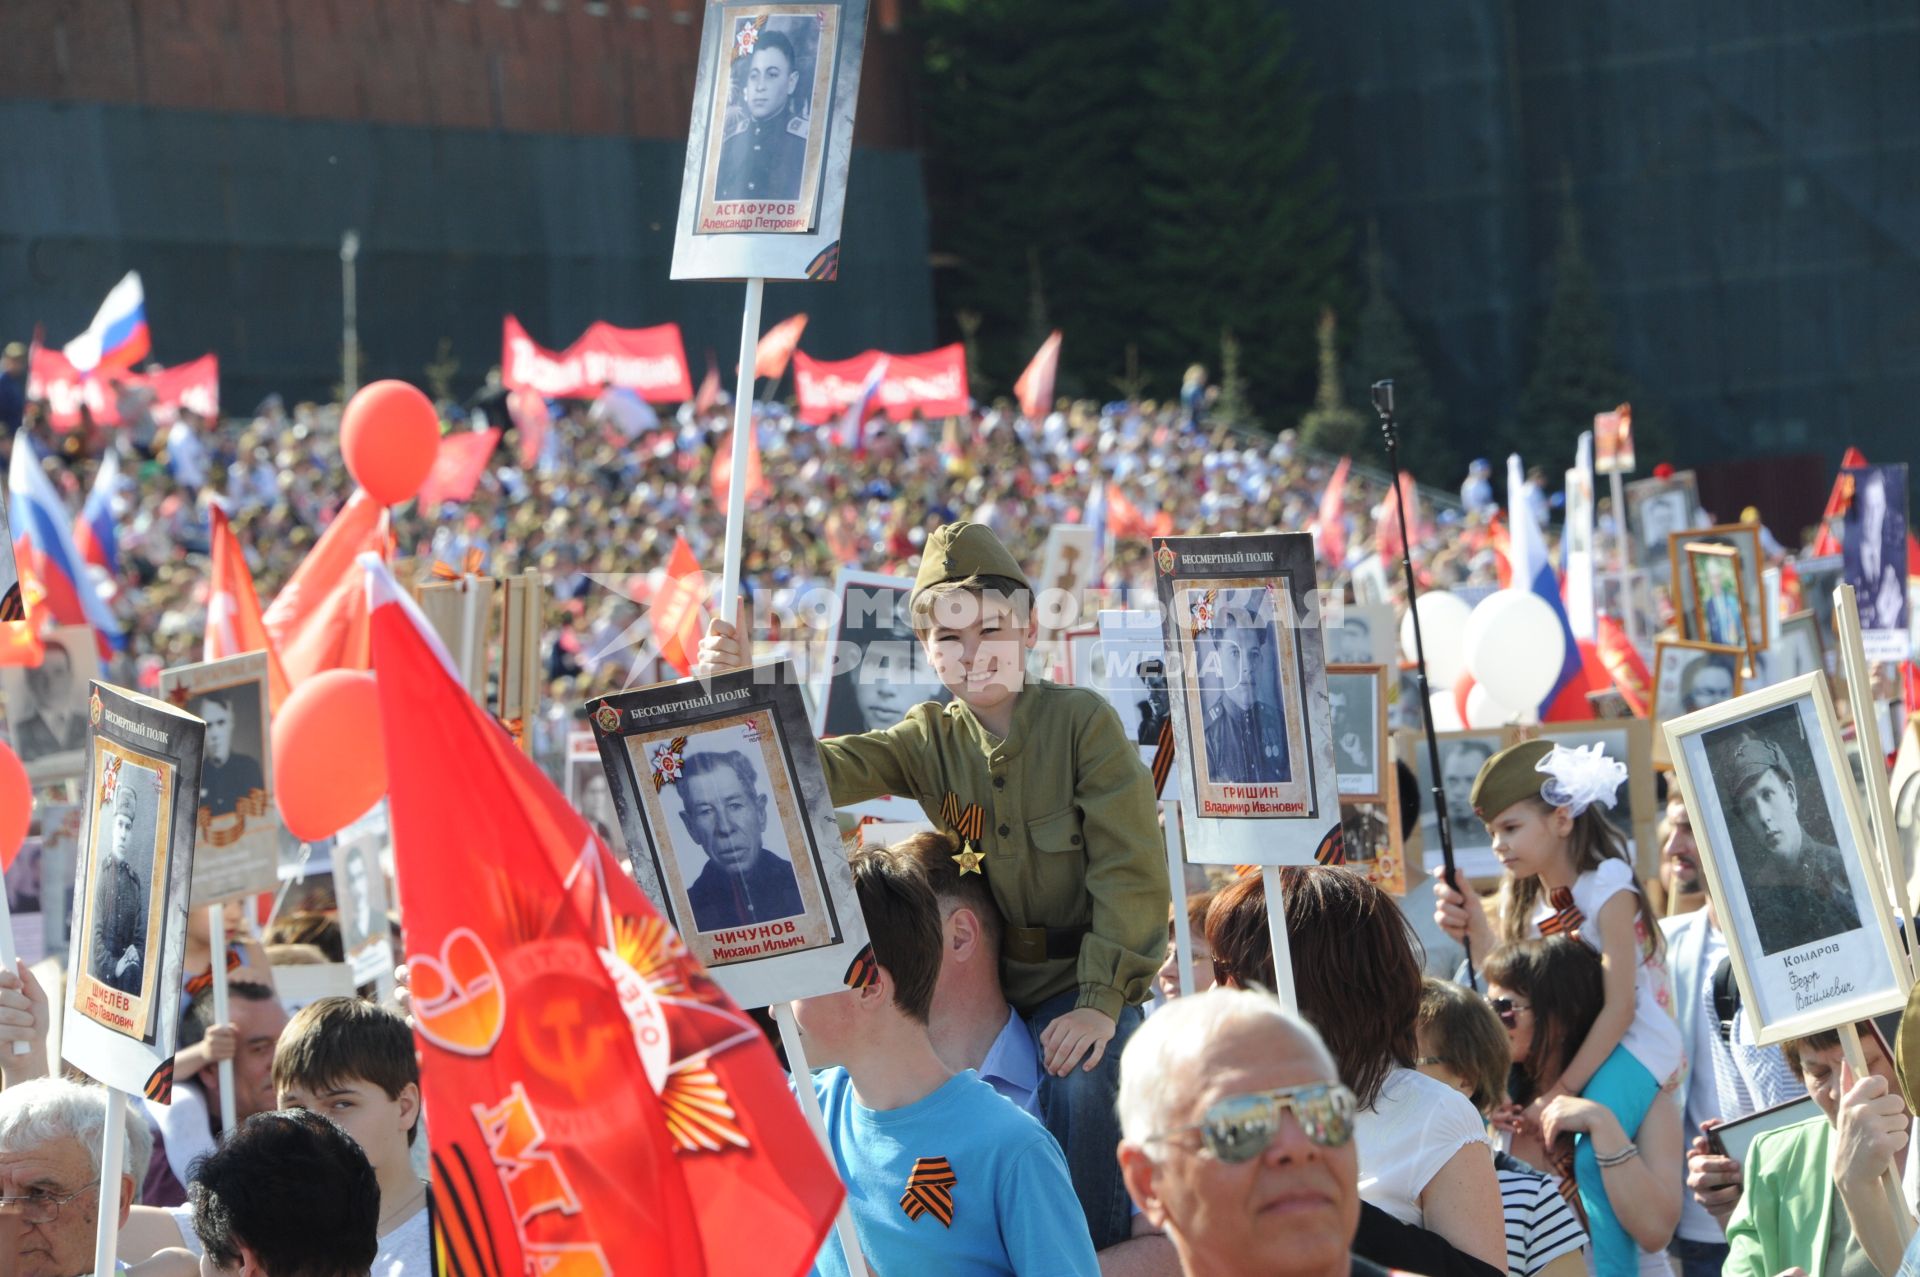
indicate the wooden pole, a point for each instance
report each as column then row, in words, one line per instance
column 1881, row 830
column 217, row 942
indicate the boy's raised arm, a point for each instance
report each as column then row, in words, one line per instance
column 1126, row 867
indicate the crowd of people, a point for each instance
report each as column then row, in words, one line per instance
column 1029, row 1083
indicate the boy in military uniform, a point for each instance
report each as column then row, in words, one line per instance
column 119, row 902
column 1044, row 787
column 766, row 158
column 1796, row 886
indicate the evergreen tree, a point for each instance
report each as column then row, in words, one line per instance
column 1241, row 223
column 1331, row 425
column 1576, row 372
column 1384, row 349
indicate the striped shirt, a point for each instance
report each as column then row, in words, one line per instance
column 1540, row 1225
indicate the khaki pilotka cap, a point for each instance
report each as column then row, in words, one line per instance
column 1753, row 758
column 962, row 551
column 1509, row 777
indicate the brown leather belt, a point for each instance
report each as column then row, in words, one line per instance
column 1043, row 944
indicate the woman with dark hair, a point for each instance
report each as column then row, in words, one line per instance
column 1424, row 1159
column 1547, row 994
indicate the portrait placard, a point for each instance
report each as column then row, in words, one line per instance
column 47, row 704
column 1796, row 650
column 1873, row 550
column 1371, row 832
column 360, row 889
column 1719, row 604
column 1818, row 577
column 1613, row 441
column 1745, row 539
column 1247, row 677
column 1657, row 508
column 1067, row 567
column 129, row 933
column 25, row 903
column 1461, row 756
column 719, row 789
column 1130, row 670
column 1783, row 842
column 770, row 140
column 1635, row 813
column 237, row 850
column 1361, row 634
column 1361, row 760
column 59, row 865
column 587, row 791
column 1690, row 676
column 1082, row 647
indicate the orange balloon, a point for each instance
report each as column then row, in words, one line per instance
column 389, row 436
column 16, row 805
column 329, row 757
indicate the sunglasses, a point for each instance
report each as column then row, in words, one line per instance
column 1241, row 1127
column 1508, row 1010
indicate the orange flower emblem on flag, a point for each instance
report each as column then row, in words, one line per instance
column 459, row 1002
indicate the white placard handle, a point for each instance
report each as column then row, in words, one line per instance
column 217, row 940
column 106, row 1237
column 1277, row 934
column 1177, row 880
column 737, row 491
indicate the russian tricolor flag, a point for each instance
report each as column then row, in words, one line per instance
column 853, row 426
column 43, row 542
column 1533, row 570
column 93, row 532
column 117, row 338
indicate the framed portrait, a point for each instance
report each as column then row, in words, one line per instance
column 1904, row 786
column 1371, row 835
column 878, row 668
column 1744, row 538
column 1690, row 676
column 587, row 790
column 1796, row 650
column 719, row 789
column 1783, row 842
column 1634, row 811
column 1251, row 715
column 1719, row 604
column 1613, row 441
column 237, row 848
column 360, row 889
column 1873, row 541
column 1361, row 634
column 139, row 816
column 1067, row 566
column 1611, row 703
column 1130, row 670
column 770, row 140
column 47, row 704
column 1462, row 754
column 1082, row 648
column 59, row 865
column 1362, row 762
column 1370, row 585
column 1657, row 508
column 1818, row 577
column 1628, row 598
column 1403, row 698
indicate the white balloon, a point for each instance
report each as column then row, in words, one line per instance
column 1446, row 715
column 1484, row 711
column 1443, row 629
column 1515, row 648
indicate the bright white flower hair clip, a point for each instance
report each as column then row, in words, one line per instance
column 1578, row 778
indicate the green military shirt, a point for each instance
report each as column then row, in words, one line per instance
column 1071, row 833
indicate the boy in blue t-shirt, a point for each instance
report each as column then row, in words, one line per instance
column 942, row 1174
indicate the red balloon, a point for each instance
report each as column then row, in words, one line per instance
column 1571, row 705
column 1461, row 687
column 390, row 436
column 329, row 757
column 16, row 806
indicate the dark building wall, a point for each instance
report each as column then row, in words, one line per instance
column 493, row 159
column 1748, row 180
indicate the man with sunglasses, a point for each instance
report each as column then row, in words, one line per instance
column 1238, row 1139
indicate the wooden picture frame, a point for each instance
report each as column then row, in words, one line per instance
column 1803, row 965
column 1363, row 769
column 1710, row 570
column 1672, row 688
column 1745, row 538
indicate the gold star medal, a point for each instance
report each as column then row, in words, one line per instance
column 966, row 826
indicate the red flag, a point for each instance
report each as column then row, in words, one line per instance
column 1792, row 598
column 1124, row 520
column 1827, row 541
column 1910, row 687
column 1386, row 537
column 1501, row 543
column 318, row 621
column 458, row 466
column 680, row 610
column 234, row 623
column 757, row 487
column 707, row 398
column 1034, row 389
column 20, row 640
column 533, row 421
column 597, row 1104
column 777, row 346
column 1333, row 517
column 1624, row 665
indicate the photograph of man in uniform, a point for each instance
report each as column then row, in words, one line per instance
column 1241, row 706
column 887, row 673
column 1705, row 681
column 359, row 895
column 119, row 892
column 1873, row 543
column 227, row 774
column 1460, row 763
column 1355, row 728
column 56, row 720
column 1662, row 513
column 767, row 157
column 726, row 814
column 1796, row 884
column 1351, row 642
column 1155, row 706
